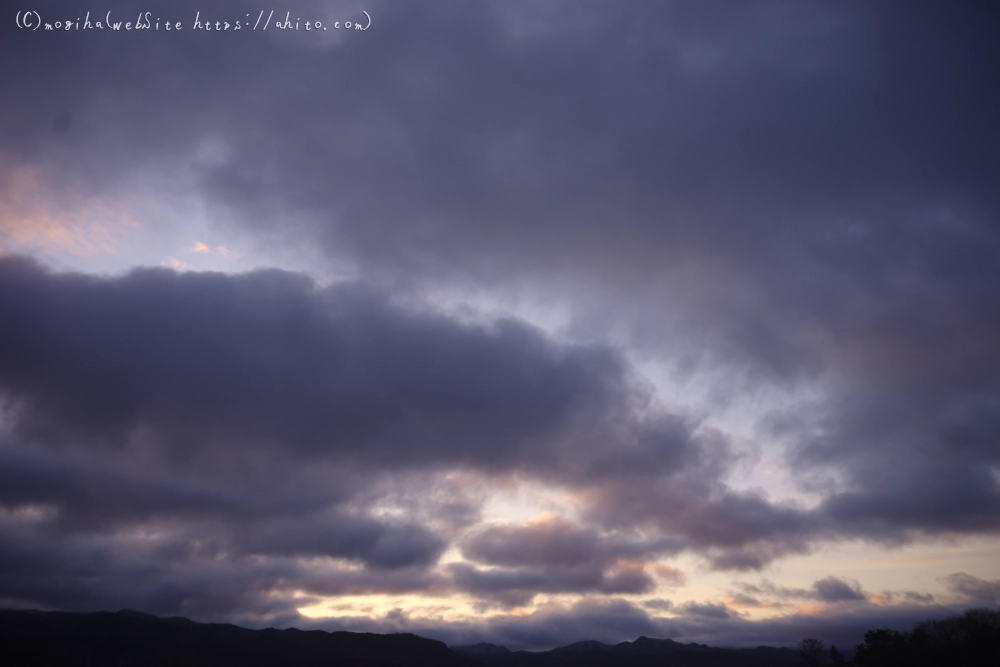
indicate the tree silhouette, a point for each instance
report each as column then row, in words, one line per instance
column 971, row 639
column 883, row 648
column 836, row 657
column 813, row 652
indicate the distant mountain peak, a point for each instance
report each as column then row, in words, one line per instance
column 654, row 646
column 482, row 648
column 588, row 645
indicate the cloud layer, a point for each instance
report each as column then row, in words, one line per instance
column 652, row 217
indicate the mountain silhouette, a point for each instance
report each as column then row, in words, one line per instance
column 63, row 639
column 480, row 648
column 126, row 638
column 643, row 652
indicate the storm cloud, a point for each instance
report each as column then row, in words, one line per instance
column 624, row 253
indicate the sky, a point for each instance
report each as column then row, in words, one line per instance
column 519, row 322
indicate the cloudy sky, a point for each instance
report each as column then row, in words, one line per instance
column 522, row 322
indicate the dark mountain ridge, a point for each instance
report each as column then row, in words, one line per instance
column 481, row 647
column 44, row 639
column 65, row 639
column 643, row 652
column 641, row 646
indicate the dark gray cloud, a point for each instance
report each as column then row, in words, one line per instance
column 735, row 530
column 832, row 589
column 268, row 360
column 706, row 611
column 517, row 587
column 256, row 408
column 828, row 589
column 974, row 589
column 554, row 542
column 262, row 416
column 773, row 196
column 554, row 555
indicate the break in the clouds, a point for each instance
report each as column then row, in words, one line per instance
column 715, row 282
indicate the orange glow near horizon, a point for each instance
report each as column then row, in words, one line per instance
column 31, row 218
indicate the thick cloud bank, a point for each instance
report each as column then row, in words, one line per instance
column 781, row 211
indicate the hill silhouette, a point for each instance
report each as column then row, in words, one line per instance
column 63, row 639
column 643, row 652
column 127, row 638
